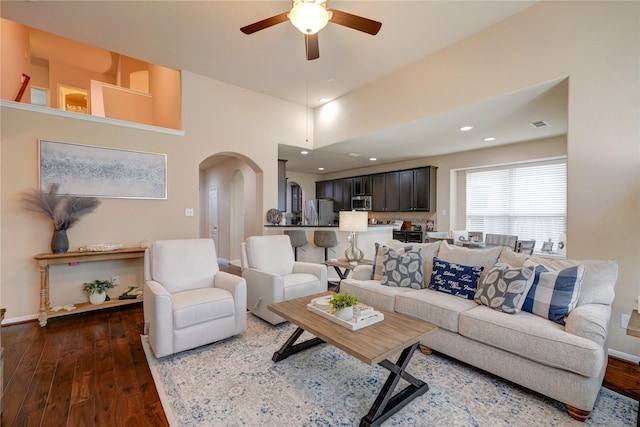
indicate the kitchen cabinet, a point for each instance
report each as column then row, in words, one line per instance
column 362, row 185
column 342, row 189
column 386, row 192
column 409, row 236
column 417, row 190
column 282, row 185
column 324, row 189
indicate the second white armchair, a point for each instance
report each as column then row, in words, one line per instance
column 273, row 275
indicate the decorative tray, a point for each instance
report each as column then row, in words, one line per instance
column 321, row 306
column 102, row 247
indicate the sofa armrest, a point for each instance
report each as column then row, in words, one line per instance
column 362, row 272
column 590, row 321
column 237, row 286
column 318, row 270
column 263, row 288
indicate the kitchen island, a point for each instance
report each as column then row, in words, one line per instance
column 380, row 233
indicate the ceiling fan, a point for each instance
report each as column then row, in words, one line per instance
column 310, row 16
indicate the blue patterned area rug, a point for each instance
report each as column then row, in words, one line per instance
column 235, row 383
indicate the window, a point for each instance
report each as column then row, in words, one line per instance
column 528, row 200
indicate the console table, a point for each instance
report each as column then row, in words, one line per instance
column 46, row 260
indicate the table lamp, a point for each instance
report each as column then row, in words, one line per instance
column 353, row 221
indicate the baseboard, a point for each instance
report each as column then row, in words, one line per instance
column 20, row 319
column 624, row 356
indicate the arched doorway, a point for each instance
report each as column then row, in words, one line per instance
column 237, row 183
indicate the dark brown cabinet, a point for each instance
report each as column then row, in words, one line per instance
column 362, row 185
column 397, row 191
column 409, row 236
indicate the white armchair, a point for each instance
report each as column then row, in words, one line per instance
column 272, row 274
column 188, row 301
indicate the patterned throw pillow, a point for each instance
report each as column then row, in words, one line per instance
column 505, row 287
column 376, row 271
column 455, row 279
column 554, row 293
column 402, row 268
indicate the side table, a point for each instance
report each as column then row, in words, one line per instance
column 343, row 267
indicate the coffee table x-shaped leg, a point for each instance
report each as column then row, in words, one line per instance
column 386, row 404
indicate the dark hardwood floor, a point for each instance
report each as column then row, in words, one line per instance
column 89, row 369
column 82, row 370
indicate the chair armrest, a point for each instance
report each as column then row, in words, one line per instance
column 262, row 288
column 318, row 270
column 362, row 272
column 237, row 286
column 590, row 321
column 157, row 305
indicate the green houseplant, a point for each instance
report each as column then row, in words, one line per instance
column 343, row 304
column 97, row 290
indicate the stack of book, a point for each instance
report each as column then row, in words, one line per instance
column 132, row 293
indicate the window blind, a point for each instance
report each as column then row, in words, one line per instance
column 526, row 200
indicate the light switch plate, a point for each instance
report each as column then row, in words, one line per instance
column 624, row 320
column 188, row 212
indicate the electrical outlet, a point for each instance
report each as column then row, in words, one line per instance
column 115, row 280
column 624, row 320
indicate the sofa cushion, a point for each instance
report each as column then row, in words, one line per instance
column 599, row 278
column 553, row 294
column 455, row 279
column 505, row 288
column 434, row 307
column 378, row 260
column 429, row 250
column 533, row 338
column 371, row 292
column 201, row 305
column 402, row 268
column 466, row 256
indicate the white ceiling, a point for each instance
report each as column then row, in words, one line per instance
column 204, row 37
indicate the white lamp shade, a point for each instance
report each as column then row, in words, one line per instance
column 354, row 220
column 309, row 18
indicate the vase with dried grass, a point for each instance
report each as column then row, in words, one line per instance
column 62, row 209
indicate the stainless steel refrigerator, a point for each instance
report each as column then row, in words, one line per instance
column 319, row 212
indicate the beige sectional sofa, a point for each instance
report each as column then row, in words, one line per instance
column 565, row 362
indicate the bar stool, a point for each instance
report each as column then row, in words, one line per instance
column 298, row 239
column 325, row 239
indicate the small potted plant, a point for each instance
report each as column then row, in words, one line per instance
column 343, row 304
column 97, row 290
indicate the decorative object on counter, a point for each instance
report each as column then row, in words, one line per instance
column 353, row 222
column 68, row 307
column 133, row 292
column 343, row 304
column 63, row 210
column 97, row 291
column 274, row 216
column 101, row 247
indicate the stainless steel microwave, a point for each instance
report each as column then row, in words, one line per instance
column 361, row 203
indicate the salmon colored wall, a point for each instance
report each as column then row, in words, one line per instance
column 164, row 86
column 127, row 105
column 15, row 59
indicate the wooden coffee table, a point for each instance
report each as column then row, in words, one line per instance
column 372, row 345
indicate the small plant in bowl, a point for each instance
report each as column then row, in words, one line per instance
column 343, row 304
column 97, row 290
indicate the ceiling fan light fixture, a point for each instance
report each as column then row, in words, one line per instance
column 309, row 16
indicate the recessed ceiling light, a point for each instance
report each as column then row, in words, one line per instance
column 373, row 159
column 323, row 100
column 304, row 152
column 466, row 128
column 539, row 124
column 353, row 155
column 320, row 169
column 491, row 138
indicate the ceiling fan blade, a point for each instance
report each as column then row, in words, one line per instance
column 311, row 45
column 265, row 23
column 359, row 23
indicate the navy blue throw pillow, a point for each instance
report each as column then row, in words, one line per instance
column 455, row 279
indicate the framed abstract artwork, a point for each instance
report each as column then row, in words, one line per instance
column 91, row 171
